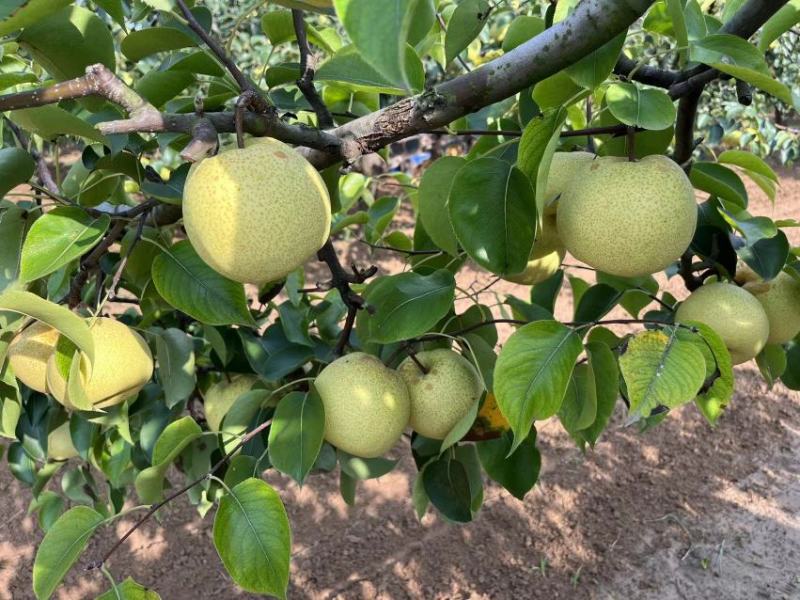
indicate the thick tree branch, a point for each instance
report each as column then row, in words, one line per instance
column 306, row 81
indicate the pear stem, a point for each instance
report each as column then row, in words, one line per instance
column 630, row 143
column 413, row 356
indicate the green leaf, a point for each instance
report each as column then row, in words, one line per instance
column 719, row 181
column 661, row 370
column 144, row 42
column 772, row 363
column 522, row 28
column 13, row 223
column 605, row 373
column 556, row 91
column 779, row 23
column 380, row 32
column 579, row 408
column 16, row 14
column 175, row 437
column 175, row 353
column 68, row 41
column 129, row 590
column 349, row 67
column 516, row 471
column 464, row 25
column 532, row 373
column 253, row 539
column 158, row 87
column 296, row 434
column 364, row 468
column 536, row 148
column 191, row 286
column 749, row 162
column 735, row 56
column 16, row 167
column 447, row 485
column 493, row 211
column 406, row 305
column 57, row 238
column 767, row 256
column 58, row 317
column 61, row 548
column 596, row 302
column 434, row 189
column 648, row 108
column 594, row 68
column 51, row 121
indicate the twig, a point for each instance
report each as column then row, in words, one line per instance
column 630, row 69
column 92, row 262
column 204, row 140
column 112, row 290
column 744, row 93
column 400, row 250
column 686, row 272
column 341, row 280
column 306, row 81
column 222, row 462
column 413, row 356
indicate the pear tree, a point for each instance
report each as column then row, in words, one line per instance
column 181, row 181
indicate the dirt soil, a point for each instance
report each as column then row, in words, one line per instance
column 683, row 511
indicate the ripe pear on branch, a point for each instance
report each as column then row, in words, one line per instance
column 29, row 352
column 255, row 214
column 628, row 218
column 441, row 395
column 780, row 299
column 546, row 255
column 565, row 168
column 123, row 364
column 367, row 404
column 733, row 313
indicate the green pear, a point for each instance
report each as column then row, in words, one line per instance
column 546, row 255
column 257, row 213
column 565, row 168
column 221, row 396
column 59, row 443
column 29, row 352
column 628, row 218
column 733, row 313
column 366, row 404
column 780, row 298
column 441, row 397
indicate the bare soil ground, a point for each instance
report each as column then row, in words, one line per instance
column 681, row 512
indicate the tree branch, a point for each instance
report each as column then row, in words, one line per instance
column 306, row 81
column 341, row 280
column 91, row 262
column 630, row 69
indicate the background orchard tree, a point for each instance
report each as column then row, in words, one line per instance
column 156, row 315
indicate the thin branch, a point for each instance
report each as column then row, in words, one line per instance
column 306, row 81
column 744, row 93
column 221, row 463
column 42, row 169
column 630, row 69
column 341, row 280
column 91, row 262
column 686, row 271
column 204, row 141
column 400, row 250
column 242, row 81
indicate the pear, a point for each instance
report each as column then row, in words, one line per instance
column 29, row 352
column 628, row 218
column 366, row 404
column 780, row 298
column 546, row 255
column 256, row 214
column 221, row 396
column 123, row 364
column 733, row 313
column 441, row 397
column 565, row 168
column 59, row 443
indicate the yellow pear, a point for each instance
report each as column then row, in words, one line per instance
column 366, row 404
column 256, row 214
column 29, row 352
column 628, row 218
column 59, row 443
column 546, row 255
column 780, row 298
column 565, row 168
column 123, row 364
column 441, row 397
column 733, row 313
column 220, row 397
